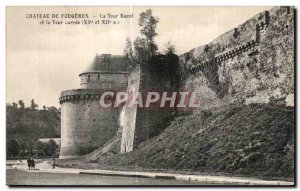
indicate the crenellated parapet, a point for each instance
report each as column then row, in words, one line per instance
column 247, row 48
column 240, row 46
column 76, row 95
column 252, row 63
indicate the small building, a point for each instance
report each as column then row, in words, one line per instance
column 47, row 140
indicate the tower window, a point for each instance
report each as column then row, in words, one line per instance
column 89, row 77
column 98, row 76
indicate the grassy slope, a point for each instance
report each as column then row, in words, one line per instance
column 254, row 140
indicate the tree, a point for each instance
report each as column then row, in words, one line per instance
column 15, row 104
column 148, row 23
column 12, row 148
column 33, row 105
column 169, row 48
column 21, row 104
column 53, row 109
column 39, row 146
column 52, row 147
column 143, row 48
column 29, row 146
column 22, row 147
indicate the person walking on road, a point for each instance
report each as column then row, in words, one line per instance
column 32, row 163
column 29, row 163
column 53, row 162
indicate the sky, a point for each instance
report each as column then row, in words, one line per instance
column 44, row 60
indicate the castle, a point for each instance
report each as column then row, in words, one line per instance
column 84, row 124
column 252, row 63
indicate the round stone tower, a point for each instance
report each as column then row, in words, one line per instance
column 85, row 125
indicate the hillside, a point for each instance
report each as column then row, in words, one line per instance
column 27, row 125
column 253, row 140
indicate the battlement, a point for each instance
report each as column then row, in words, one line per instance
column 246, row 64
column 239, row 47
column 80, row 94
column 248, row 48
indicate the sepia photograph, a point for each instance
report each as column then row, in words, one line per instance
column 150, row 96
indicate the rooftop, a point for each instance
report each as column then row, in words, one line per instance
column 47, row 140
column 107, row 63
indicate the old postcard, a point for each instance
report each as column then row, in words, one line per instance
column 150, row 95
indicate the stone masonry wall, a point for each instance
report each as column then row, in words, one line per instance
column 128, row 114
column 252, row 63
column 116, row 81
column 86, row 125
column 141, row 123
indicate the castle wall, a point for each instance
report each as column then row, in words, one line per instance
column 252, row 63
column 85, row 125
column 141, row 123
column 104, row 80
column 128, row 114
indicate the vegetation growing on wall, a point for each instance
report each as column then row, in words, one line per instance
column 143, row 51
